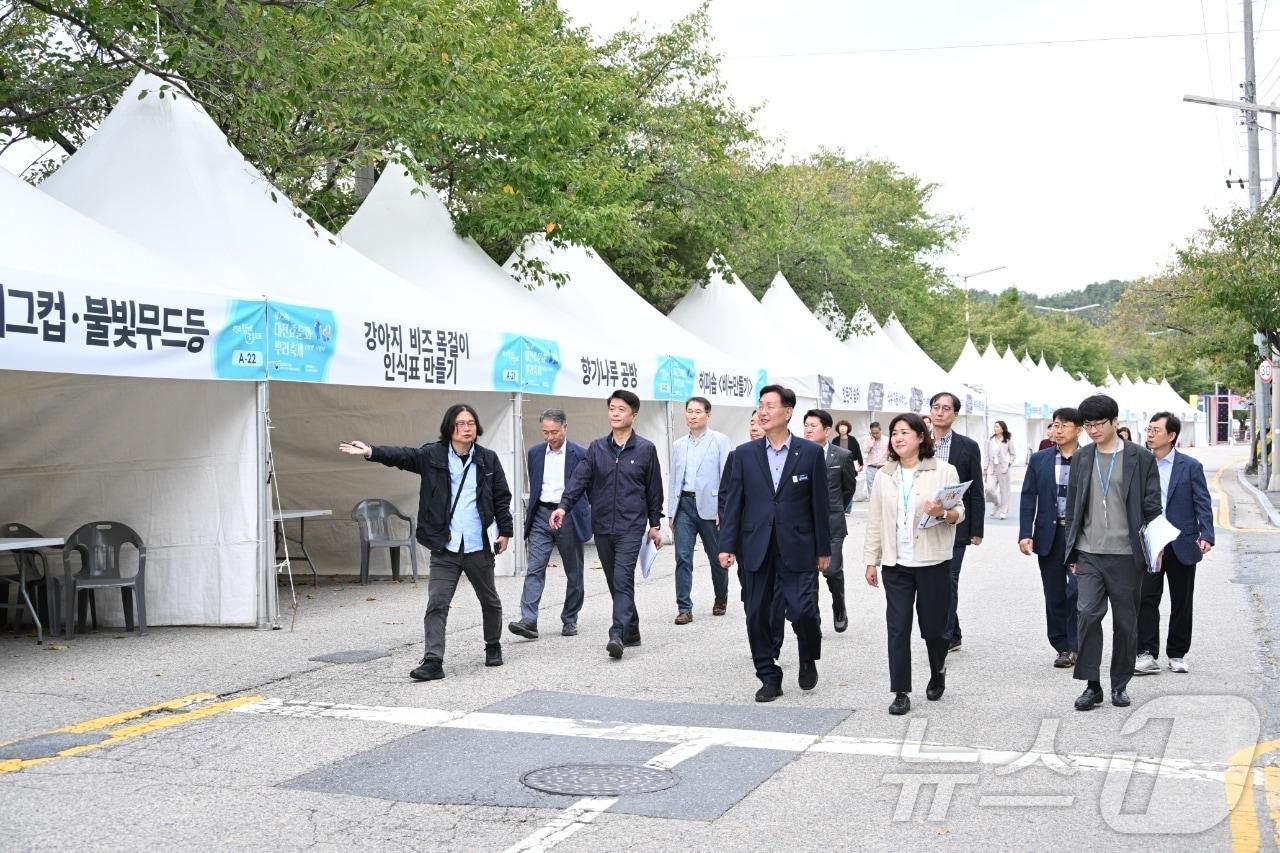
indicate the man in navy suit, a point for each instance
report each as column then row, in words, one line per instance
column 1042, row 527
column 775, row 523
column 551, row 465
column 1185, row 497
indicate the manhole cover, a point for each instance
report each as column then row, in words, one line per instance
column 599, row 780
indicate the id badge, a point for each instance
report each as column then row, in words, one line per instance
column 905, row 532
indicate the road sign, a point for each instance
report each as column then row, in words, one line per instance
column 1264, row 371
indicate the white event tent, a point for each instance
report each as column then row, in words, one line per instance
column 106, row 352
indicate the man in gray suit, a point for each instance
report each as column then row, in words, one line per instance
column 1112, row 493
column 697, row 463
column 842, row 480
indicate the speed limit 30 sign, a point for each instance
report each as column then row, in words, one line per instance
column 1265, row 370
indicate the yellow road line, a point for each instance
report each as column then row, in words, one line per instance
column 1272, row 777
column 124, row 716
column 124, row 733
column 1246, row 834
column 1222, row 516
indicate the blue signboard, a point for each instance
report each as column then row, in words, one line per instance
column 240, row 351
column 674, row 379
column 526, row 364
column 301, row 341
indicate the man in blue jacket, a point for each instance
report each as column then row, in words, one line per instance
column 622, row 476
column 1042, row 526
column 551, row 466
column 1185, row 497
column 775, row 523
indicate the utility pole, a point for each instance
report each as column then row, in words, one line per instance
column 1262, row 400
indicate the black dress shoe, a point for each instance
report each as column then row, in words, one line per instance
column 1088, row 699
column 521, row 628
column 808, row 675
column 429, row 670
column 841, row 617
column 493, row 654
column 900, row 705
column 1065, row 659
column 1120, row 698
column 632, row 641
column 937, row 686
column 614, row 647
column 569, row 630
column 768, row 692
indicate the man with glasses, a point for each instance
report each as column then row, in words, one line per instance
column 1113, row 490
column 1185, row 497
column 1042, row 530
column 965, row 455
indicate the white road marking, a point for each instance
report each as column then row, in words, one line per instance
column 911, row 749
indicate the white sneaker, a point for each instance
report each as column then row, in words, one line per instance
column 1146, row 665
column 1178, row 665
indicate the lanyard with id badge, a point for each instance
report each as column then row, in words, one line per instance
column 906, row 529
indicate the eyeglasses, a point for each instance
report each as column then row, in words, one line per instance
column 938, row 407
column 1096, row 425
column 464, row 423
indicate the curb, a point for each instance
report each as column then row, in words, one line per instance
column 1264, row 502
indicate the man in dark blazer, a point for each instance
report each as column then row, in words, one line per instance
column 1185, row 496
column 962, row 452
column 1042, row 530
column 1113, row 492
column 775, row 522
column 551, row 465
column 842, row 480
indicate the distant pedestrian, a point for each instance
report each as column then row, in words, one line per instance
column 999, row 457
column 463, row 493
column 875, row 453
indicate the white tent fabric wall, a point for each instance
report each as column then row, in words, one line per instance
column 152, row 453
column 974, row 420
column 725, row 314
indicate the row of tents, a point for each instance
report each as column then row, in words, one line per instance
column 181, row 350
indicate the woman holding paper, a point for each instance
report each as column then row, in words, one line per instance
column 910, row 533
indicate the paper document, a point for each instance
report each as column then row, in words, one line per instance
column 648, row 553
column 950, row 496
column 1155, row 536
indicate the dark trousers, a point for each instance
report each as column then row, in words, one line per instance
column 446, row 569
column 686, row 527
column 772, row 594
column 541, row 539
column 953, row 619
column 618, row 555
column 1060, row 595
column 928, row 588
column 1182, row 587
column 1103, row 579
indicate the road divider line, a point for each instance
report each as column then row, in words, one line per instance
column 125, row 716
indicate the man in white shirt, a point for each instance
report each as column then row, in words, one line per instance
column 697, row 463
column 551, row 464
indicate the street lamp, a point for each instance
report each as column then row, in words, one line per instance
column 964, row 279
column 1067, row 310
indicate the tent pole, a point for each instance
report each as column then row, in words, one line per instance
column 268, row 599
column 517, row 482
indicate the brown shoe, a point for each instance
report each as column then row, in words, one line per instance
column 684, row 617
column 718, row 608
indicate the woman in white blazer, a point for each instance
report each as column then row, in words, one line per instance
column 914, row 564
column 999, row 458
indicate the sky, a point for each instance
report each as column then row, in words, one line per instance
column 1068, row 163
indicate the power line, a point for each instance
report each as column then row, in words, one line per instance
column 983, row 45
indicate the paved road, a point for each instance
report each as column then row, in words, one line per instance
column 230, row 739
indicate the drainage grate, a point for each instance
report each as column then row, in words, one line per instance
column 599, row 780
column 355, row 656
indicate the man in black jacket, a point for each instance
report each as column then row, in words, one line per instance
column 464, row 491
column 622, row 477
column 962, row 452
